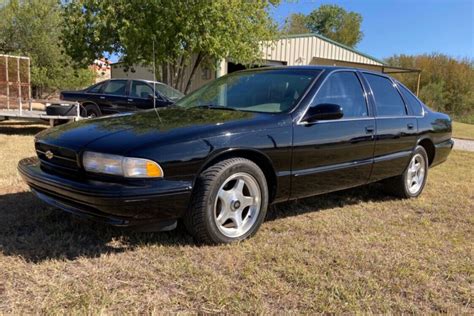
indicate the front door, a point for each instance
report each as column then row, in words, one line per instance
column 335, row 154
column 141, row 96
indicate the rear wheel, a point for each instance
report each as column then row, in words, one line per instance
column 229, row 203
column 412, row 182
column 92, row 111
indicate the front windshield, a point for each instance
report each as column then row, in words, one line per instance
column 271, row 91
column 168, row 92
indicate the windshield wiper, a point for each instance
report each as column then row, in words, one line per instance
column 214, row 106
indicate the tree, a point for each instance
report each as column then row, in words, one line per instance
column 33, row 28
column 447, row 84
column 334, row 22
column 296, row 24
column 183, row 33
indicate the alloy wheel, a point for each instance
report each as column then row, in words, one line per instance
column 416, row 174
column 237, row 205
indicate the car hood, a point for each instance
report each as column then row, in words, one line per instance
column 121, row 133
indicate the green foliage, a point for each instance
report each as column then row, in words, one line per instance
column 466, row 118
column 296, row 24
column 334, row 22
column 433, row 94
column 184, row 33
column 447, row 84
column 33, row 28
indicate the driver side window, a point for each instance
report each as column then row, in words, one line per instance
column 141, row 90
column 344, row 89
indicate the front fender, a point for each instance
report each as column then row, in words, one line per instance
column 270, row 149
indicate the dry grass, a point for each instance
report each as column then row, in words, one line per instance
column 463, row 130
column 352, row 251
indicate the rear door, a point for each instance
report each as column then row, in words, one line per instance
column 114, row 97
column 329, row 155
column 396, row 127
column 94, row 93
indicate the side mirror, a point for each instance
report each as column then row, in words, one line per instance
column 150, row 96
column 324, row 111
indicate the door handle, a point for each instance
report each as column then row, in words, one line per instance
column 102, row 98
column 130, row 100
column 369, row 129
column 410, row 126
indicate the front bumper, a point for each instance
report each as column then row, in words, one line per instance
column 118, row 204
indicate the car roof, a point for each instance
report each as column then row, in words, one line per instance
column 144, row 80
column 284, row 68
column 314, row 67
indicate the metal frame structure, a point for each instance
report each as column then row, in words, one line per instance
column 381, row 68
column 400, row 70
column 22, row 82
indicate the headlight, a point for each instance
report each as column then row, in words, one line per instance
column 121, row 166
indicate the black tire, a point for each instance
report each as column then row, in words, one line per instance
column 92, row 110
column 200, row 219
column 398, row 186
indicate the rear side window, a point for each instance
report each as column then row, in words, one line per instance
column 96, row 88
column 412, row 101
column 387, row 99
column 116, row 87
column 345, row 90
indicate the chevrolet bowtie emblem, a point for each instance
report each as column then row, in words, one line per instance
column 49, row 154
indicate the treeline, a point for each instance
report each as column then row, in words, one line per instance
column 447, row 84
column 60, row 35
column 34, row 29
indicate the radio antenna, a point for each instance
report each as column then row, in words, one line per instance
column 154, row 83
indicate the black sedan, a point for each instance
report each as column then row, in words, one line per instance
column 122, row 95
column 221, row 155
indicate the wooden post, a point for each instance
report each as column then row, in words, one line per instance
column 8, row 83
column 29, row 84
column 418, row 85
column 19, row 84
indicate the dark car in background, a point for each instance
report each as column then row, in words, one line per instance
column 223, row 153
column 122, row 95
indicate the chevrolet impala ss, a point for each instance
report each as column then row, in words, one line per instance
column 219, row 156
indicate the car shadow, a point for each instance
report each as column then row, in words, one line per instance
column 36, row 232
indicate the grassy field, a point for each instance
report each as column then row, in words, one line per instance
column 463, row 130
column 466, row 118
column 353, row 251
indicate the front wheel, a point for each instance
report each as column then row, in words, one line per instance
column 412, row 182
column 229, row 202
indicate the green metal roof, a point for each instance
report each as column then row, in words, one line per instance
column 324, row 38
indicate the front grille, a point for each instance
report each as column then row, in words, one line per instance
column 57, row 157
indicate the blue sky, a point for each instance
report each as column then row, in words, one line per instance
column 403, row 26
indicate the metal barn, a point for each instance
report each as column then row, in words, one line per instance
column 291, row 50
